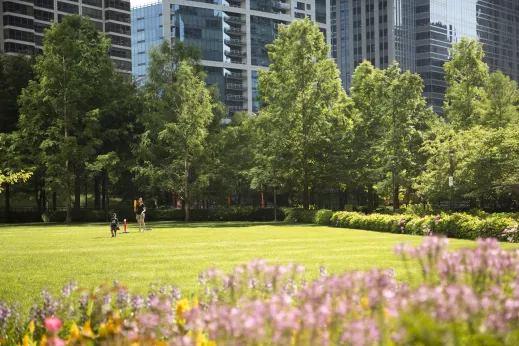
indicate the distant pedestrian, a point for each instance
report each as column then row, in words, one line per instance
column 140, row 215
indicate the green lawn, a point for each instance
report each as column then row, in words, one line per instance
column 39, row 256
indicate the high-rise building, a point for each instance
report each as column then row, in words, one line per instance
column 419, row 33
column 231, row 36
column 23, row 23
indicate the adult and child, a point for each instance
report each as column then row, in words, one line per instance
column 140, row 214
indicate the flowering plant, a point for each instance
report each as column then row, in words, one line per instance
column 463, row 297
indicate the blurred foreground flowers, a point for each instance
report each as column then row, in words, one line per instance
column 464, row 297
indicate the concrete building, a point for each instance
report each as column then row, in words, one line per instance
column 231, row 35
column 23, row 23
column 419, row 33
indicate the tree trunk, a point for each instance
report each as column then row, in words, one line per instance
column 77, row 192
column 7, row 197
column 97, row 193
column 103, row 190
column 306, row 195
column 54, row 201
column 43, row 198
column 37, row 194
column 370, row 203
column 396, row 201
column 186, row 205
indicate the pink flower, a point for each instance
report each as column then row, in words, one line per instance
column 53, row 324
column 56, row 341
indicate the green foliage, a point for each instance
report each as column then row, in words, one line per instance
column 299, row 215
column 455, row 225
column 465, row 73
column 304, row 126
column 178, row 111
column 15, row 73
column 60, row 109
column 500, row 100
column 323, row 217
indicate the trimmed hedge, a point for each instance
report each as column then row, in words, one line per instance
column 455, row 225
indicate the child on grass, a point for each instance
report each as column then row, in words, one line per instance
column 114, row 225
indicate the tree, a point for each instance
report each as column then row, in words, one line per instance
column 306, row 109
column 368, row 129
column 62, row 105
column 465, row 73
column 178, row 111
column 500, row 100
column 15, row 73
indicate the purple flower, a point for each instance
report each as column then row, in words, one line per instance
column 322, row 271
column 137, row 302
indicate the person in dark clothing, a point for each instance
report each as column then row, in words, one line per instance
column 140, row 214
column 114, row 225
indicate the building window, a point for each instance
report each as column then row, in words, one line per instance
column 92, row 12
column 18, row 21
column 299, row 15
column 45, row 3
column 68, row 8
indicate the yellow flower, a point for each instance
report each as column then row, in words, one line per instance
column 182, row 306
column 43, row 341
column 32, row 327
column 201, row 340
column 195, row 302
column 364, row 302
column 2, row 341
column 103, row 331
column 74, row 331
column 87, row 330
column 26, row 340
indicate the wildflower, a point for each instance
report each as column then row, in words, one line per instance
column 31, row 326
column 53, row 324
column 201, row 278
column 74, row 331
column 56, row 341
column 137, row 302
column 87, row 330
column 182, row 306
column 148, row 320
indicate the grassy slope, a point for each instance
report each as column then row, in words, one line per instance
column 33, row 257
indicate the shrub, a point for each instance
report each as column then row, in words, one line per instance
column 299, row 215
column 323, row 217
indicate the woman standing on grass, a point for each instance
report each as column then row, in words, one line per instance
column 140, row 211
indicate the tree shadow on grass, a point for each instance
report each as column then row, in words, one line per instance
column 163, row 224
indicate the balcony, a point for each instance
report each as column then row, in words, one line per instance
column 233, row 86
column 234, row 31
column 235, row 3
column 234, row 19
column 235, row 75
column 281, row 5
column 235, row 53
column 233, row 109
column 236, row 98
column 235, row 42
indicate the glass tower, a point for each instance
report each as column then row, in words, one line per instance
column 22, row 23
column 231, row 36
column 419, row 33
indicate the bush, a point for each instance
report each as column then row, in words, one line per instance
column 455, row 225
column 299, row 215
column 323, row 217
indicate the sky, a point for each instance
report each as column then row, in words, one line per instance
column 141, row 2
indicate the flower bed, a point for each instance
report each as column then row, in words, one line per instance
column 466, row 297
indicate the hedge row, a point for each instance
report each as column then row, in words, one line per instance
column 455, row 225
column 238, row 213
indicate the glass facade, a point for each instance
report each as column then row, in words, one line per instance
column 419, row 33
column 231, row 41
column 38, row 15
column 147, row 32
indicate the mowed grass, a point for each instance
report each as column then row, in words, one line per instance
column 33, row 257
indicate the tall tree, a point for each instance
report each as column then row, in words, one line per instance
column 465, row 74
column 501, row 100
column 62, row 105
column 368, row 128
column 406, row 118
column 305, row 106
column 178, row 111
column 15, row 73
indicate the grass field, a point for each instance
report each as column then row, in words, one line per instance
column 33, row 257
